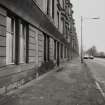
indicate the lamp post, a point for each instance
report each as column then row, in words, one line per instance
column 82, row 19
column 81, row 40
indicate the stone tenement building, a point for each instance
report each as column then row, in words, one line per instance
column 32, row 32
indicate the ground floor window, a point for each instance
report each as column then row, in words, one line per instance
column 55, row 49
column 16, row 38
column 10, row 40
column 65, row 52
column 46, row 48
column 22, row 43
column 61, row 50
column 58, row 53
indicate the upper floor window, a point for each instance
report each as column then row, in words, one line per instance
column 53, row 4
column 62, row 26
column 69, row 11
column 61, row 3
column 58, row 19
column 66, row 31
column 48, row 7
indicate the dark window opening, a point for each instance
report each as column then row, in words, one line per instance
column 58, row 19
column 48, row 7
column 53, row 8
column 55, row 49
column 46, row 48
column 61, row 50
column 64, row 53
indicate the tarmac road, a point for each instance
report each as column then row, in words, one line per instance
column 97, row 67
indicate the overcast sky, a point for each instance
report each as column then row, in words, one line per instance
column 93, row 30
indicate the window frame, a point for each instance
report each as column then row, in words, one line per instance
column 15, row 30
column 10, row 52
column 46, row 48
column 23, row 41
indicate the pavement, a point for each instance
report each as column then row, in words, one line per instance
column 72, row 85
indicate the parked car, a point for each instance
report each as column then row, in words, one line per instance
column 86, row 57
column 91, row 57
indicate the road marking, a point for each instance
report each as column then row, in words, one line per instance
column 100, row 89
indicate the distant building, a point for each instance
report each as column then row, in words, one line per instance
column 32, row 32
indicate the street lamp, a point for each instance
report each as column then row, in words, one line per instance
column 94, row 18
column 81, row 40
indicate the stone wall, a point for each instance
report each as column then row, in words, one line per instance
column 2, row 37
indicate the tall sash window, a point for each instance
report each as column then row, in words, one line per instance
column 10, row 40
column 22, row 43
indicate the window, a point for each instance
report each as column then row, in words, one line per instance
column 46, row 47
column 63, row 4
column 65, row 52
column 53, row 8
column 61, row 26
column 66, row 31
column 10, row 40
column 55, row 49
column 45, row 5
column 48, row 7
column 58, row 19
column 22, row 43
column 16, row 31
column 61, row 50
column 69, row 11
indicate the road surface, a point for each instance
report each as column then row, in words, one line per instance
column 97, row 67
